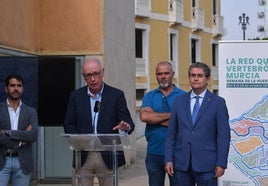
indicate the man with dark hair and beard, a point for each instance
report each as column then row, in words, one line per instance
column 19, row 129
column 155, row 112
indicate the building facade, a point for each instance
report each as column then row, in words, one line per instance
column 56, row 37
column 179, row 31
column 131, row 37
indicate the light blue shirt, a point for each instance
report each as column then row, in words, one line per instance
column 94, row 115
column 193, row 100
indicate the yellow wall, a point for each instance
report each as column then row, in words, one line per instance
column 160, row 7
column 70, row 26
column 158, row 46
column 158, row 40
column 18, row 21
column 52, row 27
column 207, row 6
column 187, row 6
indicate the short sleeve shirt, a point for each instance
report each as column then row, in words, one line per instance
column 155, row 133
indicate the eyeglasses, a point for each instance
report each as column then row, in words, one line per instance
column 90, row 75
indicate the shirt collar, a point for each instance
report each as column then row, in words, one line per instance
column 98, row 94
column 174, row 89
column 202, row 95
column 11, row 106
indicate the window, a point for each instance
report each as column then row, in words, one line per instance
column 193, row 3
column 140, row 94
column 193, row 51
column 173, row 50
column 139, row 42
column 214, row 54
column 171, row 46
column 195, row 47
column 214, row 11
column 142, row 49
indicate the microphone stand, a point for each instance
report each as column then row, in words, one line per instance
column 96, row 109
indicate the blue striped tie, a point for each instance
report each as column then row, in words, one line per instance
column 196, row 108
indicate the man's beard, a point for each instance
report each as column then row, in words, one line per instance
column 164, row 85
column 14, row 98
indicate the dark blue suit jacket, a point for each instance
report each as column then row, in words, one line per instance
column 204, row 144
column 113, row 109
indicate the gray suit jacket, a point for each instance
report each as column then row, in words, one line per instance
column 28, row 115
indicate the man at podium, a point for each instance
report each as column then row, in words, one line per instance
column 97, row 108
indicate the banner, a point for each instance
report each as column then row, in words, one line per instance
column 243, row 82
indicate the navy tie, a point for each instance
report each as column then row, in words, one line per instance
column 196, row 108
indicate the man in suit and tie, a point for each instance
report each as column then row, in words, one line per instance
column 196, row 150
column 19, row 129
column 100, row 109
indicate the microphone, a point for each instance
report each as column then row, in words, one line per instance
column 97, row 106
column 96, row 109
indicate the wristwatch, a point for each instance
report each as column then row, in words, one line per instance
column 7, row 132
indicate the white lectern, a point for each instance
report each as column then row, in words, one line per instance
column 97, row 142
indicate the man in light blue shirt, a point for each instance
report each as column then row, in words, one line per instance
column 155, row 112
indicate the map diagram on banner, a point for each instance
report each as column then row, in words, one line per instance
column 249, row 142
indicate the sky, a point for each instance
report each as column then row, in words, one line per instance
column 232, row 9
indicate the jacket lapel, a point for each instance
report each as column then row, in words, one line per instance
column 204, row 105
column 6, row 118
column 102, row 103
column 188, row 108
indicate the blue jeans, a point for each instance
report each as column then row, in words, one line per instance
column 155, row 166
column 13, row 171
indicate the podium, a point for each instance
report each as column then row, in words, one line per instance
column 97, row 142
